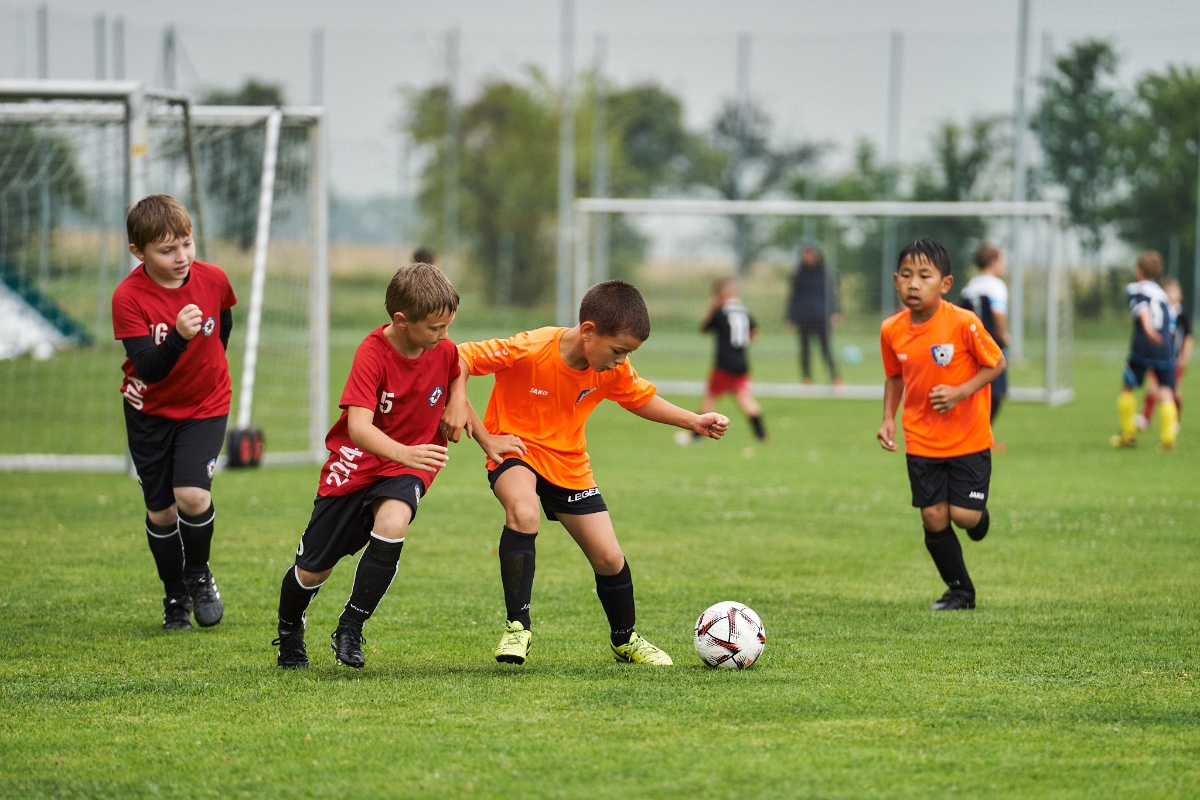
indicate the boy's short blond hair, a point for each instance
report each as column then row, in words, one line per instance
column 155, row 218
column 1149, row 264
column 419, row 290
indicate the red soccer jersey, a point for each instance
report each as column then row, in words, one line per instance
column 545, row 402
column 947, row 349
column 407, row 395
column 198, row 387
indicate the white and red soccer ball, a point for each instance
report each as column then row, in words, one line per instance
column 729, row 635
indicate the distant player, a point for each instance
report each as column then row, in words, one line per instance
column 734, row 329
column 987, row 295
column 939, row 360
column 173, row 315
column 384, row 452
column 1152, row 349
column 547, row 383
column 425, row 255
column 1183, row 354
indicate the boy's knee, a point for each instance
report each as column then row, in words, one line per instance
column 936, row 518
column 192, row 499
column 524, row 516
column 965, row 518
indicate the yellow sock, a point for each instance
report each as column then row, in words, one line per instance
column 1168, row 419
column 1126, row 410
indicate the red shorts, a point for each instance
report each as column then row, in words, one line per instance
column 721, row 382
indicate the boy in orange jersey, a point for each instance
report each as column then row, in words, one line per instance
column 939, row 359
column 547, row 382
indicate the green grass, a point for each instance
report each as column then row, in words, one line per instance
column 1076, row 677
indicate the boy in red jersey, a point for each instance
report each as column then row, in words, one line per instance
column 547, row 382
column 172, row 314
column 384, row 451
column 939, row 359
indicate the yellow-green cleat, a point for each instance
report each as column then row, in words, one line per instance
column 514, row 644
column 1119, row 442
column 638, row 651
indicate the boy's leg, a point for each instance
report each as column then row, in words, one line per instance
column 295, row 594
column 752, row 410
column 946, row 552
column 516, row 489
column 197, row 445
column 1151, row 400
column 1168, row 418
column 167, row 550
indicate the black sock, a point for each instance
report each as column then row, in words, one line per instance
column 197, row 532
column 760, row 432
column 981, row 529
column 167, row 550
column 616, row 595
column 518, row 558
column 376, row 568
column 293, row 602
column 946, row 551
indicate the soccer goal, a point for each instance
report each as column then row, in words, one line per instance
column 73, row 156
column 860, row 241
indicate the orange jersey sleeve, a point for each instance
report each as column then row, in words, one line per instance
column 539, row 398
column 948, row 349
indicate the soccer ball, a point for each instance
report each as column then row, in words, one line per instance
column 729, row 635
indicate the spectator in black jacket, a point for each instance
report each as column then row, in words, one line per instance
column 813, row 308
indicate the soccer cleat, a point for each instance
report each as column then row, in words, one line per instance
column 514, row 644
column 177, row 613
column 1166, row 447
column 638, row 651
column 347, row 646
column 206, row 598
column 1118, row 441
column 954, row 600
column 291, row 650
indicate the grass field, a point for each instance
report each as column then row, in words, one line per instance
column 1076, row 677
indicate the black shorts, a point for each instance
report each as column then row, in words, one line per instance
column 1137, row 367
column 168, row 453
column 341, row 526
column 963, row 480
column 554, row 497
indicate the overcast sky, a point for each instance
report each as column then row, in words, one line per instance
column 820, row 68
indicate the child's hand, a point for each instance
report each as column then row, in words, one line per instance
column 189, row 321
column 943, row 397
column 712, row 425
column 454, row 419
column 887, row 435
column 498, row 446
column 425, row 457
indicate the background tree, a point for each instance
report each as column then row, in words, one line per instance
column 1076, row 122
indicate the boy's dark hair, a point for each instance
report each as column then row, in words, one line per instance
column 927, row 250
column 1150, row 264
column 985, row 255
column 418, row 290
column 425, row 255
column 616, row 307
column 154, row 218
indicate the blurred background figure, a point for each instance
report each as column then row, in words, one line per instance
column 813, row 309
column 987, row 295
column 425, row 255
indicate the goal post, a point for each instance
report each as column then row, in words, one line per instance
column 73, row 156
column 1033, row 232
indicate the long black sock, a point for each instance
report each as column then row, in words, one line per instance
column 760, row 432
column 518, row 557
column 946, row 551
column 293, row 602
column 378, row 566
column 196, row 530
column 980, row 530
column 167, row 550
column 616, row 595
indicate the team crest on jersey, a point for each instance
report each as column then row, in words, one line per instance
column 942, row 353
column 212, row 467
column 435, row 395
column 584, row 394
column 210, row 325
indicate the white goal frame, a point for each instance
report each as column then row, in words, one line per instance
column 1054, row 214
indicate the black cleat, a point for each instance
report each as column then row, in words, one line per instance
column 291, row 650
column 981, row 530
column 206, row 598
column 347, row 645
column 954, row 600
column 177, row 612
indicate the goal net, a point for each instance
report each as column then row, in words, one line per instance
column 73, row 156
column 691, row 246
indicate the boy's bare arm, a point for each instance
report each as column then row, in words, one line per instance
column 455, row 416
column 893, row 393
column 425, row 457
column 712, row 425
column 1148, row 325
column 943, row 397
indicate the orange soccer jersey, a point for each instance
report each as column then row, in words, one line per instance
column 948, row 349
column 539, row 398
